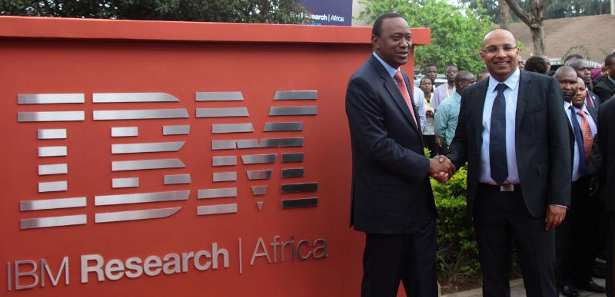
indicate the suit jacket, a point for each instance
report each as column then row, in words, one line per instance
column 606, row 145
column 604, row 88
column 391, row 193
column 595, row 102
column 542, row 143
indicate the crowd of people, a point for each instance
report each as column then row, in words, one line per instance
column 539, row 162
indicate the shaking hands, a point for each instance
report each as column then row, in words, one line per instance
column 441, row 168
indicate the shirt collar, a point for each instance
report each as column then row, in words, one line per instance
column 387, row 67
column 583, row 109
column 610, row 78
column 511, row 82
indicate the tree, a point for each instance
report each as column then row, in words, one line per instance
column 534, row 20
column 456, row 32
column 241, row 11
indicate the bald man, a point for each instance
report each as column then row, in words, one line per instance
column 514, row 136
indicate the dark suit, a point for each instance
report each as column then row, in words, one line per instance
column 576, row 247
column 606, row 145
column 604, row 88
column 542, row 151
column 392, row 201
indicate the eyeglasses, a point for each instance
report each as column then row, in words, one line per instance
column 507, row 48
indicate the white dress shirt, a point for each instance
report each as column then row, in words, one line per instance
column 510, row 95
column 592, row 126
column 440, row 93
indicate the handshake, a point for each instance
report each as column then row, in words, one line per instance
column 441, row 168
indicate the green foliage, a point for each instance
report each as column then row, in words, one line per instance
column 239, row 11
column 457, row 256
column 456, row 32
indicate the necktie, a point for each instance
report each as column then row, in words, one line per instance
column 578, row 139
column 588, row 138
column 497, row 137
column 589, row 101
column 401, row 84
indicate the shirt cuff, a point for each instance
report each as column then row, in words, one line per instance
column 558, row 205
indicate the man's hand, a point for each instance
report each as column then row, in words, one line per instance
column 441, row 168
column 555, row 216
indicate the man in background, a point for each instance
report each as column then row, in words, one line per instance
column 447, row 89
column 445, row 121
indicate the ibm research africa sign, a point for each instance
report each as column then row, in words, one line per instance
column 183, row 159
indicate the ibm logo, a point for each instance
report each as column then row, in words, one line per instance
column 232, row 133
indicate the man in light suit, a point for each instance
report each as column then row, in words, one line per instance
column 514, row 136
column 392, row 201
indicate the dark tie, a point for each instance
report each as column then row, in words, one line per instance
column 578, row 139
column 497, row 137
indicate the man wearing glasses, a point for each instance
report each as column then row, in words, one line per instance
column 513, row 133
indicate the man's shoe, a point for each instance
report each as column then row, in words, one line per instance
column 569, row 291
column 591, row 286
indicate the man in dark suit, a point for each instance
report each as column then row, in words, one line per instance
column 392, row 201
column 581, row 66
column 605, row 85
column 576, row 247
column 606, row 145
column 514, row 136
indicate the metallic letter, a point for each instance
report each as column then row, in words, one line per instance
column 57, row 203
column 125, row 182
column 146, row 147
column 135, row 215
column 220, row 112
column 52, row 151
column 56, row 186
column 216, row 209
column 140, row 114
column 141, row 197
column 223, row 161
column 50, row 116
column 124, row 131
column 232, row 128
column 217, row 193
column 146, row 164
column 219, row 96
column 51, row 134
column 258, row 159
column 224, row 176
column 259, row 174
column 132, row 97
column 45, row 222
column 296, row 95
column 177, row 179
column 50, row 169
column 292, row 158
column 283, row 126
column 175, row 129
column 293, row 110
column 58, row 98
column 300, row 188
column 292, row 172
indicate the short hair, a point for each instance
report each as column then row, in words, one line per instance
column 577, row 63
column 573, row 56
column 377, row 28
column 609, row 59
column 564, row 69
column 424, row 78
column 464, row 75
column 537, row 64
column 451, row 65
column 429, row 64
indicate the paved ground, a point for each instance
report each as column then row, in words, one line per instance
column 517, row 290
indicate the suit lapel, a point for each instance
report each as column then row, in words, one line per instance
column 524, row 88
column 478, row 118
column 391, row 86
